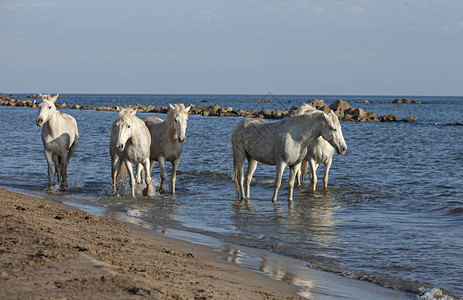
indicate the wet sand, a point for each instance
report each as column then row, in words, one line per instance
column 51, row 251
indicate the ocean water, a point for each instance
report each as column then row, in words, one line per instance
column 393, row 212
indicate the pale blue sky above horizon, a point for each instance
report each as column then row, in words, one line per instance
column 395, row 47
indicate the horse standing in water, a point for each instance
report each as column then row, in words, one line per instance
column 282, row 143
column 130, row 144
column 167, row 138
column 60, row 137
column 318, row 151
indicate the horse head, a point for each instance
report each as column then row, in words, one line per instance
column 124, row 126
column 46, row 109
column 177, row 119
column 332, row 132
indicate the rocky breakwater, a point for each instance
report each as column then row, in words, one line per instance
column 348, row 113
column 342, row 109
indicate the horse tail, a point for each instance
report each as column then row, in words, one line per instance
column 235, row 174
column 122, row 172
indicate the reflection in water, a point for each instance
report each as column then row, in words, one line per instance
column 316, row 212
column 313, row 215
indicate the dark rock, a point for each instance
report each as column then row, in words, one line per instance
column 404, row 100
column 358, row 114
column 411, row 118
column 372, row 117
column 88, row 107
column 320, row 104
column 104, row 108
column 339, row 107
column 388, row 118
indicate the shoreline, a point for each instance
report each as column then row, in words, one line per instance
column 56, row 250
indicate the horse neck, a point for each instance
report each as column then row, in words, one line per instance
column 135, row 136
column 55, row 121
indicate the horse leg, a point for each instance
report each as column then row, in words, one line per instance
column 48, row 157
column 162, row 166
column 64, row 171
column 252, row 164
column 132, row 178
column 327, row 170
column 279, row 173
column 152, row 163
column 313, row 174
column 304, row 168
column 140, row 167
column 146, row 165
column 57, row 163
column 65, row 160
column 297, row 175
column 114, row 163
column 238, row 169
column 173, row 178
column 292, row 174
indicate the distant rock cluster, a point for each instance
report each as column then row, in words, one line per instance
column 341, row 108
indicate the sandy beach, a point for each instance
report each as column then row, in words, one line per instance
column 52, row 251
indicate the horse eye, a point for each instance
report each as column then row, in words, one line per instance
column 128, row 126
column 49, row 107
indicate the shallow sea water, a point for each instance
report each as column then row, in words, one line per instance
column 393, row 212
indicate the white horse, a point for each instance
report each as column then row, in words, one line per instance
column 167, row 138
column 282, row 143
column 318, row 151
column 130, row 144
column 60, row 137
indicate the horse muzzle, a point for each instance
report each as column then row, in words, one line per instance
column 39, row 122
column 120, row 147
column 341, row 150
column 181, row 140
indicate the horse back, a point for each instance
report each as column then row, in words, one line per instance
column 257, row 139
column 152, row 120
column 161, row 144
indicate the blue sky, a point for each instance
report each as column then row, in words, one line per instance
column 309, row 47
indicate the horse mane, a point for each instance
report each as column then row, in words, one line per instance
column 305, row 108
column 307, row 111
column 126, row 113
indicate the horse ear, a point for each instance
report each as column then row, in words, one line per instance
column 188, row 108
column 53, row 99
column 118, row 108
column 171, row 106
column 133, row 111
